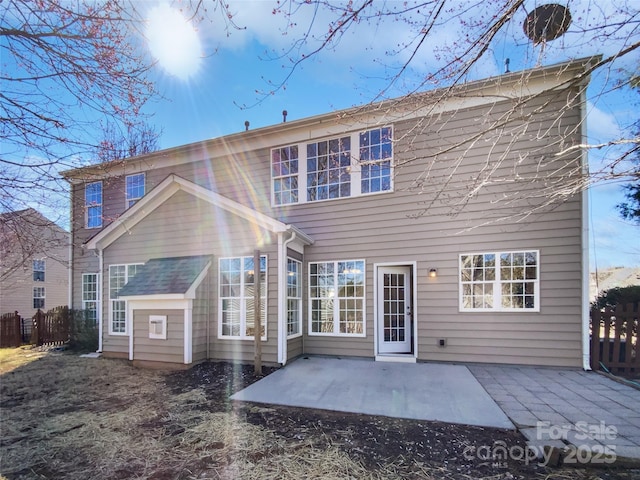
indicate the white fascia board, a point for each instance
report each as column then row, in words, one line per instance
column 154, row 297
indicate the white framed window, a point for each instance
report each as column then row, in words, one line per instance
column 38, row 270
column 93, row 204
column 158, row 327
column 236, row 299
column 284, row 171
column 90, row 296
column 134, row 188
column 337, row 298
column 351, row 165
column 119, row 275
column 500, row 281
column 38, row 297
column 294, row 297
column 376, row 154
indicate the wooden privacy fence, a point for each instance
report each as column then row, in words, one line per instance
column 52, row 327
column 10, row 330
column 45, row 328
column 614, row 339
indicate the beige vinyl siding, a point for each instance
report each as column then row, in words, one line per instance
column 428, row 226
column 170, row 350
column 295, row 347
column 16, row 290
column 202, row 316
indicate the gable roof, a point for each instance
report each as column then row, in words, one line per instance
column 164, row 190
column 162, row 276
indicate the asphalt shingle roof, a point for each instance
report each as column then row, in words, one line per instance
column 165, row 275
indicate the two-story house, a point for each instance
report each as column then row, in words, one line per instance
column 419, row 229
column 34, row 263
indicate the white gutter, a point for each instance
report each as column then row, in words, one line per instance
column 100, row 295
column 282, row 297
column 586, row 360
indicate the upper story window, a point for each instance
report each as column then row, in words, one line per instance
column 328, row 169
column 284, row 170
column 331, row 168
column 93, row 204
column 38, row 270
column 376, row 152
column 134, row 188
column 500, row 281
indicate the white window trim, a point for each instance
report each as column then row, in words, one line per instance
column 127, row 200
column 43, row 297
column 110, row 319
column 44, row 269
column 497, row 283
column 154, row 320
column 243, row 313
column 96, row 301
column 336, row 305
column 87, row 206
column 356, row 183
column 287, row 297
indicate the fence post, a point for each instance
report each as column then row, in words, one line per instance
column 595, row 339
column 35, row 331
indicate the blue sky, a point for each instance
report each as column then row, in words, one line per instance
column 203, row 94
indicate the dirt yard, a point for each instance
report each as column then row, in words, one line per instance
column 68, row 417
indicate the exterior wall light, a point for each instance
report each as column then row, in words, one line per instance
column 433, row 273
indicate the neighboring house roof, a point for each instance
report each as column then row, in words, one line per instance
column 168, row 187
column 176, row 275
column 612, row 278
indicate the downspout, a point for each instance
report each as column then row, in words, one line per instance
column 70, row 265
column 100, row 296
column 282, row 297
column 586, row 360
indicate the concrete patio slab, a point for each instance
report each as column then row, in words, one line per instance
column 421, row 391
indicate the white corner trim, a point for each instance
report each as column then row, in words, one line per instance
column 188, row 333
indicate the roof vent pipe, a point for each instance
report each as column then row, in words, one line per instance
column 284, row 116
column 506, row 65
column 246, row 125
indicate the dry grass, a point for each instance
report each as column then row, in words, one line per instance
column 78, row 418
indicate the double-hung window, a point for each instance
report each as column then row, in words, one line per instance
column 90, row 296
column 134, row 188
column 38, row 297
column 237, row 300
column 375, row 160
column 38, row 270
column 329, row 169
column 500, row 281
column 119, row 275
column 93, row 204
column 284, row 170
column 336, row 298
column 351, row 165
column 294, row 297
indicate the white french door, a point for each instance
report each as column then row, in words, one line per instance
column 394, row 309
